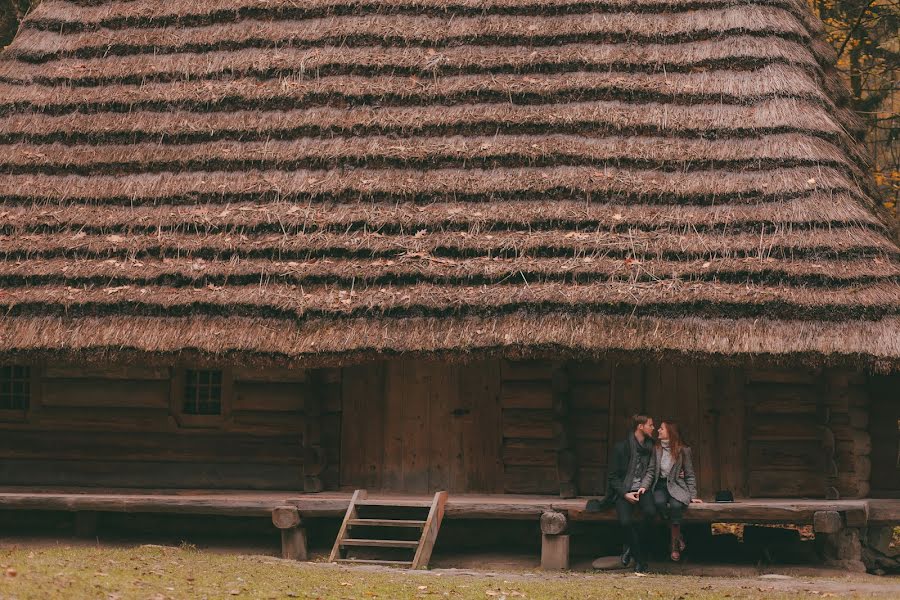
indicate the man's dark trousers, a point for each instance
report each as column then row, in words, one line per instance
column 637, row 534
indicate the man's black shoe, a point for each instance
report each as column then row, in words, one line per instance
column 626, row 556
column 593, row 505
column 640, row 568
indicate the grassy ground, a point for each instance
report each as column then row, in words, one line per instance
column 158, row 572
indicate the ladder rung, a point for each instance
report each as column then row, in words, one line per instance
column 391, row 563
column 387, row 522
column 401, row 503
column 381, row 543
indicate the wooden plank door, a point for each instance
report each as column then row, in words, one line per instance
column 417, row 426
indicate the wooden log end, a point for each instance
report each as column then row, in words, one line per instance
column 285, row 517
column 553, row 522
column 827, row 521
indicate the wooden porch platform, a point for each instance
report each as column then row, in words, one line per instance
column 459, row 506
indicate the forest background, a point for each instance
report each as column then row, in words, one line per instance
column 866, row 37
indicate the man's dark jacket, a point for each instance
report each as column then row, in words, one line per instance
column 630, row 460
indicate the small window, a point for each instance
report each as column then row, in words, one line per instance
column 201, row 397
column 202, row 393
column 15, row 387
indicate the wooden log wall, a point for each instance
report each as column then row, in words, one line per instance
column 846, row 403
column 786, row 456
column 529, row 427
column 114, row 427
column 884, row 431
column 590, row 415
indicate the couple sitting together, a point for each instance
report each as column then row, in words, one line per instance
column 656, row 475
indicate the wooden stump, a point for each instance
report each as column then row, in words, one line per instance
column 554, row 546
column 553, row 522
column 554, row 552
column 293, row 535
column 827, row 521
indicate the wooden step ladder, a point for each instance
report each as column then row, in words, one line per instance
column 364, row 516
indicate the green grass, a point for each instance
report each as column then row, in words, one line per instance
column 155, row 572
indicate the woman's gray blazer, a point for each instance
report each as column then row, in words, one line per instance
column 681, row 481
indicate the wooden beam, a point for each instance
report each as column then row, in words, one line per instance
column 285, row 517
column 430, row 531
column 293, row 544
column 554, row 552
column 553, row 522
column 566, row 465
column 293, row 535
column 827, row 521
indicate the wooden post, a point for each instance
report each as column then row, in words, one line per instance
column 314, row 459
column 293, row 535
column 566, row 467
column 554, row 543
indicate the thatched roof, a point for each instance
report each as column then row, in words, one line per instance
column 327, row 180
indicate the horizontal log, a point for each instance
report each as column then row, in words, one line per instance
column 782, row 399
column 106, row 393
column 786, row 455
column 530, row 480
column 266, row 422
column 589, row 396
column 526, row 370
column 266, row 396
column 785, row 428
column 131, row 474
column 196, row 445
column 331, row 504
column 589, row 371
column 518, row 451
column 269, row 374
column 65, row 371
column 791, row 376
column 523, row 423
column 785, row 484
column 98, row 419
column 798, row 512
column 526, row 394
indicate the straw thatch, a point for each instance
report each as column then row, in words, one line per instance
column 327, row 180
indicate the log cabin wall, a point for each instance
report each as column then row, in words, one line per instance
column 884, row 440
column 115, row 426
column 489, row 426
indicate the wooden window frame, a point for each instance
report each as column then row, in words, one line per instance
column 20, row 415
column 176, row 399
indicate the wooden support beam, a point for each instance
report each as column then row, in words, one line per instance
column 293, row 535
column 314, row 458
column 554, row 552
column 827, row 521
column 566, row 464
column 293, row 544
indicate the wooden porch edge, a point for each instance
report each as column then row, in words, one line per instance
column 510, row 507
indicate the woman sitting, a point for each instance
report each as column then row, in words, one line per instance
column 672, row 483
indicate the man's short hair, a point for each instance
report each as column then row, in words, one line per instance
column 637, row 420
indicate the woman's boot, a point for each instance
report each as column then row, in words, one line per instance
column 677, row 543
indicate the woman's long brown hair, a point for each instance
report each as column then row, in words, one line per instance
column 676, row 443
